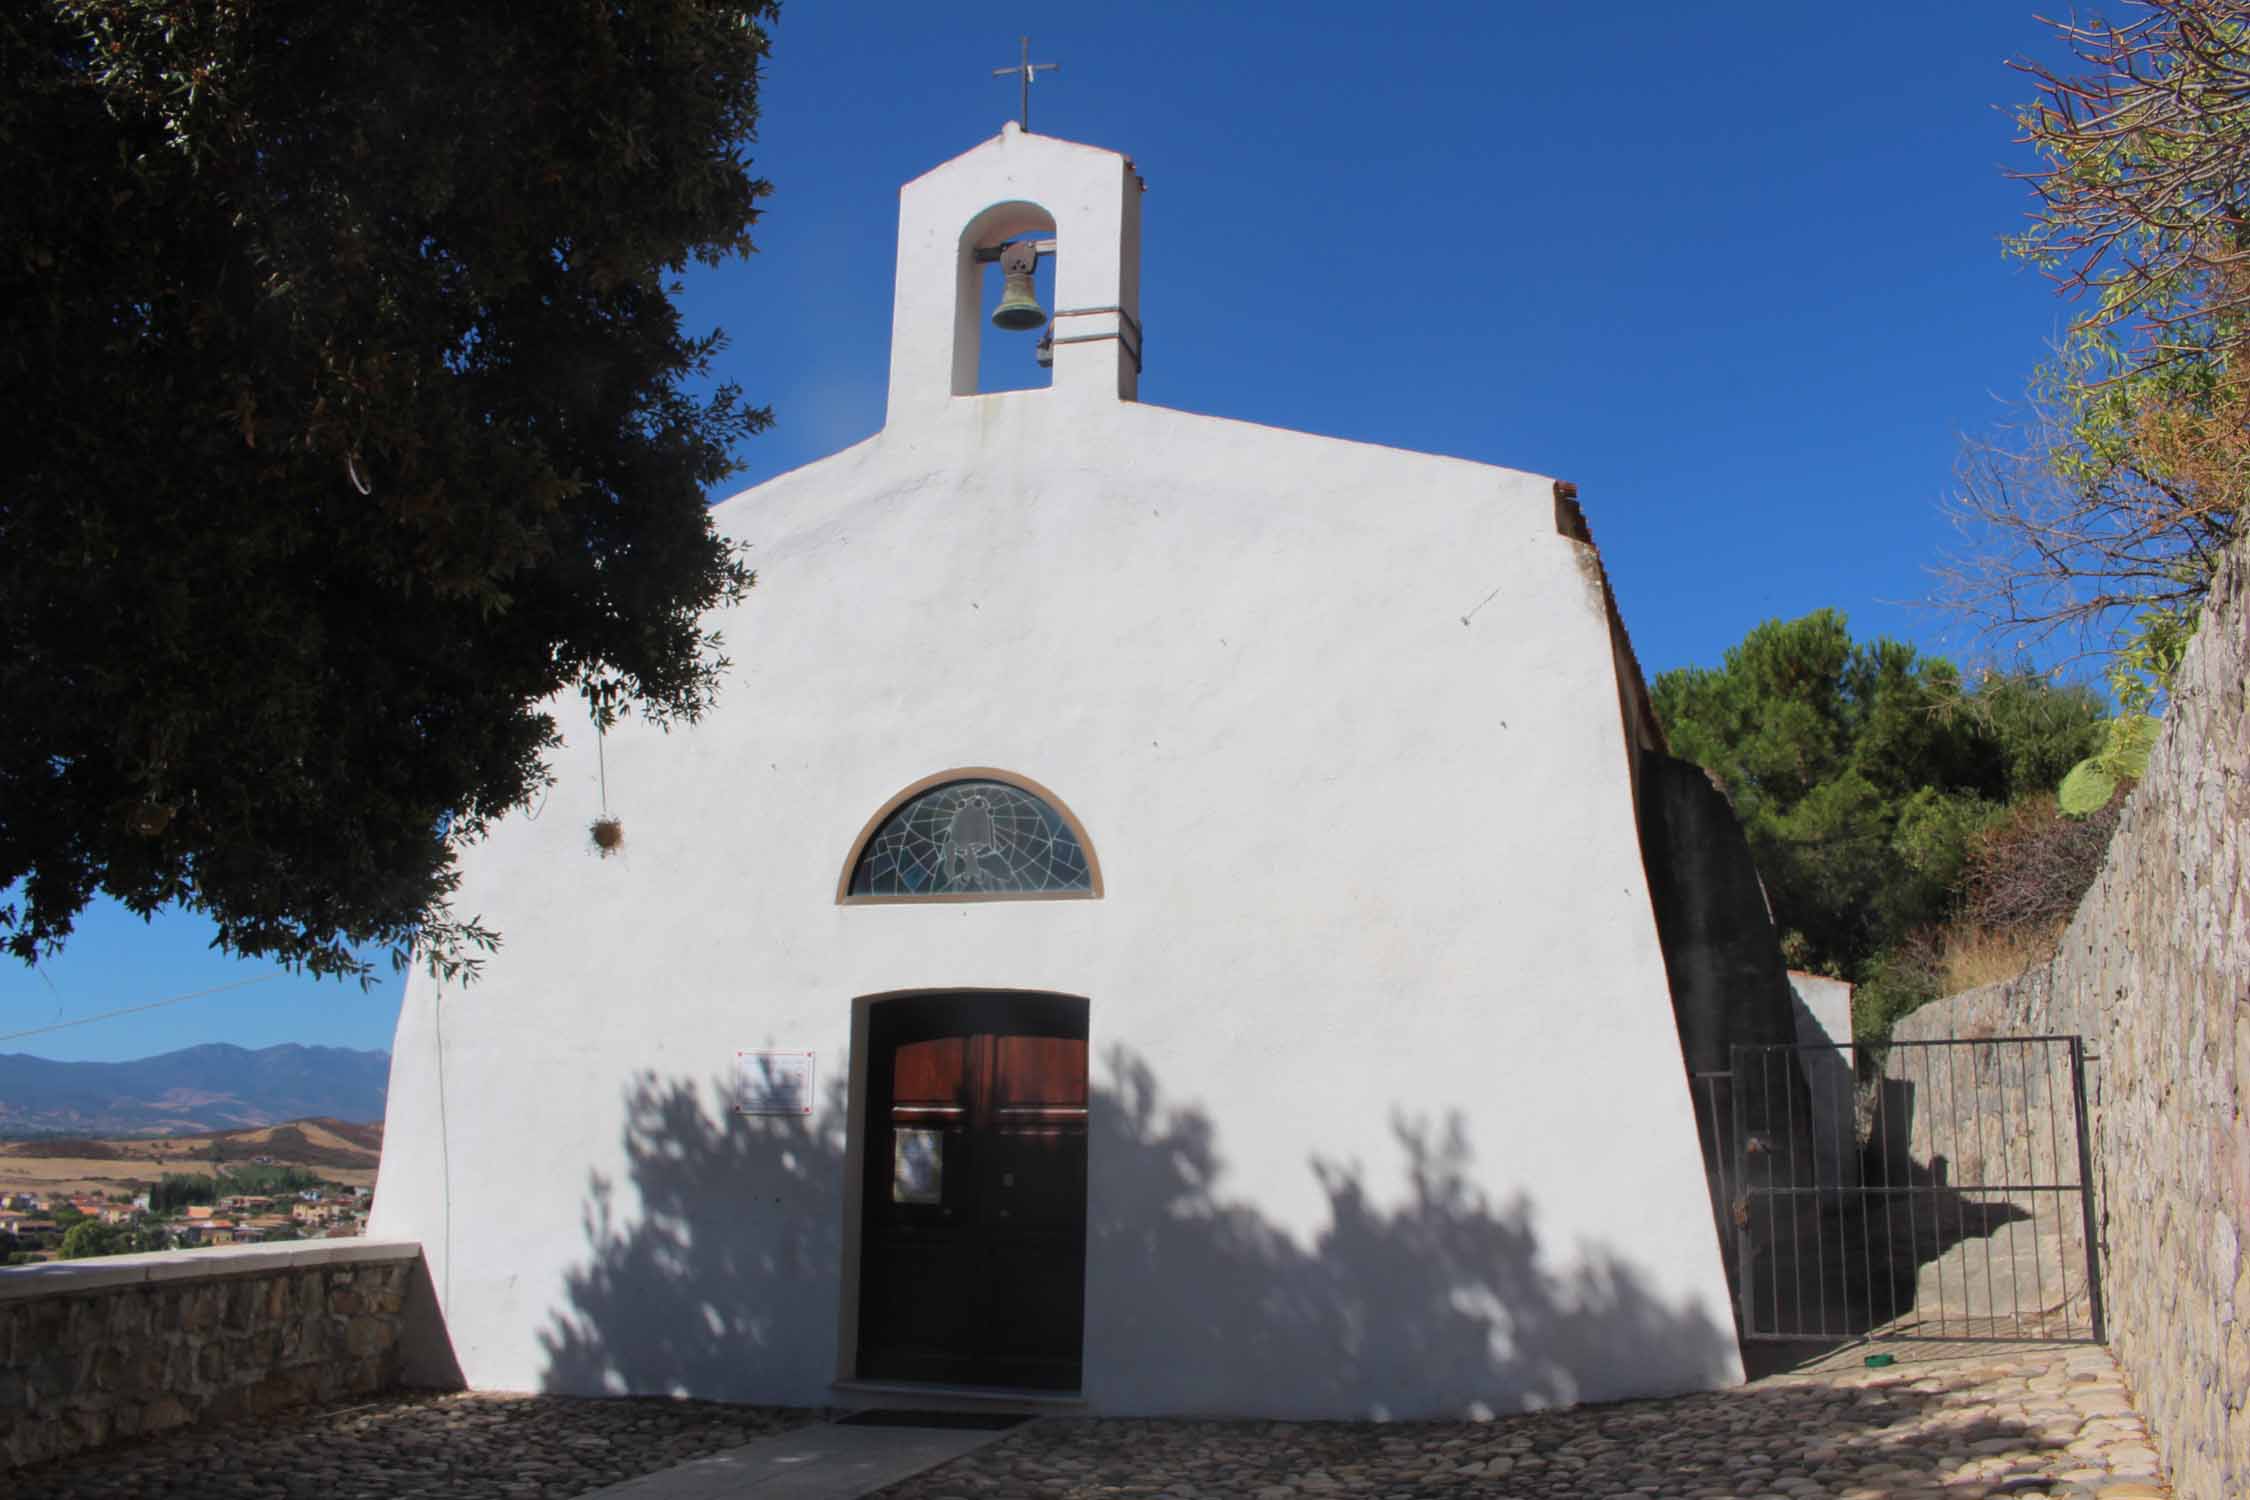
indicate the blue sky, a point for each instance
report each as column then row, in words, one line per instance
column 1733, row 270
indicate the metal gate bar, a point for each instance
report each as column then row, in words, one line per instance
column 1936, row 1190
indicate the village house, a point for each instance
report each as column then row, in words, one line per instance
column 207, row 1231
column 1157, row 919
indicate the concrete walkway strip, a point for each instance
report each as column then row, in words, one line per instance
column 826, row 1462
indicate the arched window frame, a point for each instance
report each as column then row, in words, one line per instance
column 1025, row 784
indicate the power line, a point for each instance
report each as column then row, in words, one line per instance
column 128, row 1010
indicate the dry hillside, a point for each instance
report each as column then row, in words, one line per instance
column 337, row 1150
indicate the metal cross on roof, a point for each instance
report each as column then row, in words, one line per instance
column 1025, row 70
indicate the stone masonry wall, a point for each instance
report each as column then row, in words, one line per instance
column 2154, row 972
column 96, row 1351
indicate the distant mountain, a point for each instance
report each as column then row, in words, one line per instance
column 213, row 1087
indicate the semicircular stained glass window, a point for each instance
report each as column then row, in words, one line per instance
column 972, row 837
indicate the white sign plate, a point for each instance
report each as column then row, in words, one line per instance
column 773, row 1083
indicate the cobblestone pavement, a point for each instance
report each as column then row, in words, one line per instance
column 477, row 1447
column 1936, row 1426
column 2050, row 1422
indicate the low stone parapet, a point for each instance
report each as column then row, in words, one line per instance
column 94, row 1351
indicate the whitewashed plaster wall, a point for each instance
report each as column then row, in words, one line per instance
column 1824, row 1039
column 1824, row 1010
column 1390, row 1116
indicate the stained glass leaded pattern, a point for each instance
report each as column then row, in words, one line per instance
column 972, row 838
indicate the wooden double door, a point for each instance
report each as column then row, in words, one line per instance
column 973, row 1209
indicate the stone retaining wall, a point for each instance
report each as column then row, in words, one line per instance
column 2154, row 972
column 2002, row 1112
column 93, row 1351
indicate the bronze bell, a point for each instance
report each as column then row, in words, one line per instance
column 1019, row 308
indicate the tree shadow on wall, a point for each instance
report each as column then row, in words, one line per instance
column 1436, row 1293
column 705, row 1290
column 717, row 1274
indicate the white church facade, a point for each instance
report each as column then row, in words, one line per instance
column 1156, row 923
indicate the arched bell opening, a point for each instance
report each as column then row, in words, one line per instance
column 1001, row 320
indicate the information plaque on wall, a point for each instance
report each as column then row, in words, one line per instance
column 773, row 1083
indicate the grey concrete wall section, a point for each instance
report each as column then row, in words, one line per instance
column 97, row 1351
column 1722, row 959
column 2154, row 972
column 1720, row 951
column 1821, row 1008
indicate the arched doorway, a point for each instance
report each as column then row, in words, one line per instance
column 973, row 1208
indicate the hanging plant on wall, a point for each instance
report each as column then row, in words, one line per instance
column 606, row 831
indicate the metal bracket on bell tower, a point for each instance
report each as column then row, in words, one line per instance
column 1125, row 320
column 986, row 254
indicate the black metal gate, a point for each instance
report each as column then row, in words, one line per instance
column 1919, row 1190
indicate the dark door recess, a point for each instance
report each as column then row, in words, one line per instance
column 973, row 1214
